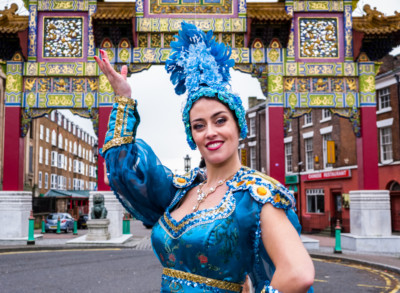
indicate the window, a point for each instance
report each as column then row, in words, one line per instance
column 60, row 161
column 70, row 164
column 60, row 141
column 60, row 182
column 288, row 157
column 384, row 99
column 325, row 139
column 41, row 132
column 308, row 147
column 54, row 159
column 289, row 125
column 59, row 119
column 69, row 126
column 307, row 119
column 65, row 123
column 75, row 148
column 40, row 155
column 253, row 158
column 70, row 146
column 386, row 144
column 40, row 180
column 46, row 181
column 69, row 183
column 53, row 184
column 326, row 114
column 315, row 200
column 66, row 144
column 252, row 122
column 47, row 135
column 65, row 163
column 80, row 151
column 74, row 129
column 54, row 138
column 46, row 157
column 75, row 166
column 53, row 115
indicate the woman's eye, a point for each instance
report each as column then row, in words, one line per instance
column 220, row 121
column 198, row 126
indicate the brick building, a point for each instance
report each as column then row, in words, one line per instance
column 322, row 187
column 59, row 156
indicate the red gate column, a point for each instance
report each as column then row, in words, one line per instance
column 104, row 114
column 275, row 144
column 13, row 171
column 13, row 177
column 367, row 144
column 367, row 151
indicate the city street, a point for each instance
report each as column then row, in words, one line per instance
column 128, row 270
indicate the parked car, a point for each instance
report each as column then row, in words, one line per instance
column 66, row 222
column 82, row 221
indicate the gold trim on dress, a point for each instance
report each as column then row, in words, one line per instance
column 203, row 280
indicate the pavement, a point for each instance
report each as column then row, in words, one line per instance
column 141, row 241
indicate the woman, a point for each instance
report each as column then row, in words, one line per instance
column 211, row 229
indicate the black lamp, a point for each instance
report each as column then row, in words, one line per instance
column 187, row 160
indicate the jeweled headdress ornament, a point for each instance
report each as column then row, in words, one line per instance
column 200, row 65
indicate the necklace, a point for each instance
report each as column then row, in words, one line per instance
column 201, row 195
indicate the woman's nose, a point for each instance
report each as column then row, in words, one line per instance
column 211, row 131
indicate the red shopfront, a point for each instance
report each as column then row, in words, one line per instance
column 325, row 198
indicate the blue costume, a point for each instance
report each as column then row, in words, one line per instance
column 209, row 250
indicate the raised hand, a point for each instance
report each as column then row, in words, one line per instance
column 118, row 81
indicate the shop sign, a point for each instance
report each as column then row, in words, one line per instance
column 327, row 175
column 291, row 179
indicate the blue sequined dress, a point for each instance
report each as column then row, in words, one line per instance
column 209, row 250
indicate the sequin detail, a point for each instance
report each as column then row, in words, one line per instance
column 194, row 280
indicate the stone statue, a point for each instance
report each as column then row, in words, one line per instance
column 98, row 211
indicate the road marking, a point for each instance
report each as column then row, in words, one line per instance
column 60, row 250
column 321, row 281
column 390, row 288
column 372, row 286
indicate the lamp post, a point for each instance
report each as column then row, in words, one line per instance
column 187, row 160
column 96, row 156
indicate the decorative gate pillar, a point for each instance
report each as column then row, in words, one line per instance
column 13, row 178
column 275, row 135
column 367, row 144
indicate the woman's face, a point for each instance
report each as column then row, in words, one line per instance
column 214, row 131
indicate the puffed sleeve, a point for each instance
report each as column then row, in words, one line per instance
column 264, row 189
column 137, row 177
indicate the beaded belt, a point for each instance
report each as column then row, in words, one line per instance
column 203, row 280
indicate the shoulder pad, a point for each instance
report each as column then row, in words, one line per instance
column 264, row 189
column 183, row 181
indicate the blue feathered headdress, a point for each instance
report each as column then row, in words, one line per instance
column 200, row 65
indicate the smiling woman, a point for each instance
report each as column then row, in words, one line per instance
column 212, row 227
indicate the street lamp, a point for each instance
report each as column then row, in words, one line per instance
column 187, row 163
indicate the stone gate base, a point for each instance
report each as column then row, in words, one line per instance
column 370, row 223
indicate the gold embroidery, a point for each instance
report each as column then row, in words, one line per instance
column 117, row 140
column 224, row 285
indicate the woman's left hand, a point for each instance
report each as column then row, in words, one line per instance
column 118, row 81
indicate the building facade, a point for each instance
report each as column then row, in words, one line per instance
column 59, row 156
column 321, row 165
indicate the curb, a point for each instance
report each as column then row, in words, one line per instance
column 357, row 261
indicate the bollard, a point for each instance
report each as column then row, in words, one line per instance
column 338, row 246
column 43, row 225
column 31, row 235
column 126, row 225
column 75, row 227
column 58, row 225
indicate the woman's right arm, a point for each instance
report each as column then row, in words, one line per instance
column 139, row 180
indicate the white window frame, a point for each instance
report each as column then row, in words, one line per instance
column 386, row 147
column 312, row 195
column 53, row 181
column 252, row 125
column 383, row 105
column 40, row 155
column 60, row 161
column 253, row 157
column 40, row 179
column 46, row 157
column 54, row 138
column 289, row 157
column 41, row 132
column 60, row 141
column 54, row 158
column 324, row 116
column 47, row 135
column 325, row 138
column 308, row 120
column 46, row 180
column 309, row 154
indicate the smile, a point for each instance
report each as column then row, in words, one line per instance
column 212, row 146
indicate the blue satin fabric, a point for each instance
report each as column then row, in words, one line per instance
column 222, row 243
